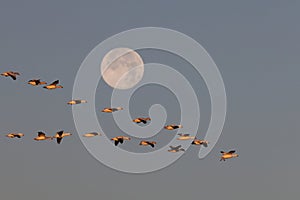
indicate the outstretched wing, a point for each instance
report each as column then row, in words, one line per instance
column 12, row 76
column 55, row 82
column 151, row 144
column 60, row 133
column 40, row 134
column 58, row 140
column 232, row 151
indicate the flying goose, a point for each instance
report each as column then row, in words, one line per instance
column 200, row 142
column 42, row 136
column 12, row 74
column 173, row 127
column 76, row 101
column 175, row 149
column 141, row 120
column 14, row 135
column 60, row 135
column 36, row 82
column 228, row 155
column 92, row 134
column 120, row 139
column 53, row 85
column 185, row 137
column 146, row 143
column 110, row 110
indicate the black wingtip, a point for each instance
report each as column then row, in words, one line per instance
column 58, row 140
column 60, row 133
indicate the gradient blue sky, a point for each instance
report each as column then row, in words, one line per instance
column 255, row 45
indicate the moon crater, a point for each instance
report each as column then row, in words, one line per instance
column 122, row 68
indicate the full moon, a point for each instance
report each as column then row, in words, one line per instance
column 122, row 68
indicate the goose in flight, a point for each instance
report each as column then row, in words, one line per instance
column 110, row 110
column 12, row 74
column 53, row 85
column 200, row 142
column 60, row 135
column 228, row 155
column 76, row 101
column 36, row 82
column 173, row 127
column 141, row 120
column 175, row 149
column 92, row 134
column 120, row 139
column 185, row 137
column 148, row 143
column 14, row 135
column 42, row 136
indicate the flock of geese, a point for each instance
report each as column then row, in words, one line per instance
column 119, row 139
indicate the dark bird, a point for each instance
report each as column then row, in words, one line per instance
column 175, row 149
column 76, row 101
column 12, row 74
column 110, row 110
column 36, row 82
column 228, row 155
column 92, row 134
column 141, row 120
column 60, row 135
column 173, row 127
column 14, row 135
column 120, row 139
column 53, row 85
column 185, row 137
column 148, row 143
column 200, row 142
column 42, row 136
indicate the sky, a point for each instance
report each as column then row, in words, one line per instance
column 254, row 45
